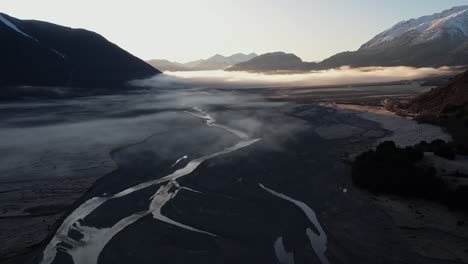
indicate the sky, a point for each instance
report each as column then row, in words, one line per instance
column 186, row 30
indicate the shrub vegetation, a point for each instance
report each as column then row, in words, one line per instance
column 394, row 170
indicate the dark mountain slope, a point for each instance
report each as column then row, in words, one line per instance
column 43, row 54
column 275, row 61
column 447, row 106
column 444, row 51
column 443, row 99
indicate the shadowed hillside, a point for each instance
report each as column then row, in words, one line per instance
column 38, row 53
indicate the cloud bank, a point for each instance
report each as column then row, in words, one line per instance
column 344, row 75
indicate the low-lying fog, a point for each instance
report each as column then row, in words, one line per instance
column 50, row 138
column 344, row 75
column 73, row 137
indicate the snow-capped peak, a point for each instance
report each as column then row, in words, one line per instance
column 426, row 28
column 14, row 27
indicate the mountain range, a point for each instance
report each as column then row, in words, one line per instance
column 36, row 53
column 166, row 65
column 430, row 41
column 216, row 62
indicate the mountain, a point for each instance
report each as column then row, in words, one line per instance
column 165, row 65
column 430, row 41
column 192, row 64
column 275, row 61
column 425, row 29
column 36, row 53
column 219, row 62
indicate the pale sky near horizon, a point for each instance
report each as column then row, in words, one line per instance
column 186, row 30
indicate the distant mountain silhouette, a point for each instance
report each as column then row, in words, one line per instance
column 192, row 64
column 36, row 53
column 430, row 41
column 165, row 65
column 216, row 62
column 275, row 61
column 220, row 62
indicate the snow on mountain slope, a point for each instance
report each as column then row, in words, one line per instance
column 426, row 28
column 14, row 27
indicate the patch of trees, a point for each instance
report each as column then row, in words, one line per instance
column 454, row 119
column 440, row 148
column 394, row 170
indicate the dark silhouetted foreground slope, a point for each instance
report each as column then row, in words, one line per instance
column 38, row 53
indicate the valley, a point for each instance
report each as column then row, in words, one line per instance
column 223, row 185
column 138, row 145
